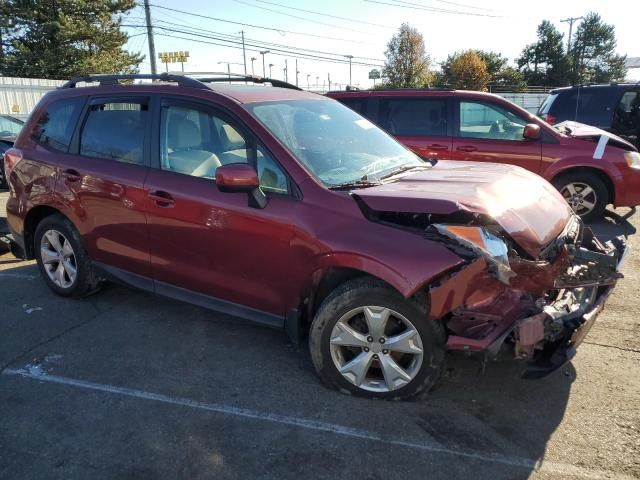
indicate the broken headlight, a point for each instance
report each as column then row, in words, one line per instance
column 493, row 248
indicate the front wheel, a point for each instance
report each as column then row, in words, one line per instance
column 585, row 192
column 368, row 340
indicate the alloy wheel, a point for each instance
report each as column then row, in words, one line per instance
column 376, row 348
column 58, row 258
column 581, row 196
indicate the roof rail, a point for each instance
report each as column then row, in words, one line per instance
column 114, row 79
column 233, row 77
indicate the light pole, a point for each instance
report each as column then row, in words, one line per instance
column 317, row 81
column 264, row 72
column 229, row 67
column 270, row 65
column 253, row 59
column 350, row 57
column 308, row 75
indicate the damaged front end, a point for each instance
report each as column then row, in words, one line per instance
column 540, row 309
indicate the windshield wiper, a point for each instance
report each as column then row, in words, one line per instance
column 402, row 169
column 351, row 185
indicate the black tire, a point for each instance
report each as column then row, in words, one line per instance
column 594, row 182
column 371, row 292
column 3, row 181
column 85, row 281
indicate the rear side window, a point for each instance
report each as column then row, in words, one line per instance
column 55, row 126
column 115, row 131
column 357, row 104
column 593, row 106
column 414, row 116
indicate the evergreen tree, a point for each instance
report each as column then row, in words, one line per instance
column 59, row 39
column 544, row 62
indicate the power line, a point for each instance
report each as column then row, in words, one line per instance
column 325, row 14
column 299, row 18
column 276, row 51
column 272, row 29
column 415, row 6
column 261, row 42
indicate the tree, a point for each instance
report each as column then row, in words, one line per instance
column 64, row 38
column 544, row 62
column 466, row 70
column 495, row 64
column 509, row 78
column 592, row 56
column 407, row 63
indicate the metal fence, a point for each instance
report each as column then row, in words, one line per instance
column 529, row 101
column 18, row 96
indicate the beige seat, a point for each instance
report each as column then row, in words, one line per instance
column 185, row 150
column 234, row 149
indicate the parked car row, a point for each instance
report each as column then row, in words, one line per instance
column 480, row 127
column 9, row 129
column 614, row 108
column 288, row 209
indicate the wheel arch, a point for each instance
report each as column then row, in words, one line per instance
column 31, row 221
column 602, row 175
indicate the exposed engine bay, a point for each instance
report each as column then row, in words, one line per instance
column 537, row 308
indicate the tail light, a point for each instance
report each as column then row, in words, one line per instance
column 11, row 159
column 550, row 119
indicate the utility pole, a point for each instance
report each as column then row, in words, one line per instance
column 244, row 55
column 152, row 45
column 286, row 73
column 570, row 21
column 270, row 74
column 253, row 59
column 350, row 57
column 297, row 72
column 329, row 80
column 308, row 75
column 264, row 72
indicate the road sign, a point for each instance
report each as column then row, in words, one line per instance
column 374, row 74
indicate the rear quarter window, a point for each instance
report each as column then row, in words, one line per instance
column 54, row 128
column 593, row 106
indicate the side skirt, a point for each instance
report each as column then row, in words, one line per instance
column 248, row 314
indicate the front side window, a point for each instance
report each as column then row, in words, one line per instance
column 55, row 126
column 492, row 122
column 195, row 142
column 9, row 126
column 115, row 131
column 334, row 143
column 414, row 117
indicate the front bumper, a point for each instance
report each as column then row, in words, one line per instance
column 545, row 310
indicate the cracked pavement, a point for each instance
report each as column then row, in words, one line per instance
column 123, row 384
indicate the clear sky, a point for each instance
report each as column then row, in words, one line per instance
column 360, row 28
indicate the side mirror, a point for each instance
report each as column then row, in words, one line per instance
column 531, row 131
column 241, row 177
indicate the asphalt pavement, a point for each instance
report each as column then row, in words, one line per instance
column 125, row 385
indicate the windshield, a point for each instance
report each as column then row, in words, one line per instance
column 337, row 145
column 9, row 126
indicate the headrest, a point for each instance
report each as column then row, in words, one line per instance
column 183, row 133
column 230, row 138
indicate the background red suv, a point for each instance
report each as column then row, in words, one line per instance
column 480, row 127
column 288, row 209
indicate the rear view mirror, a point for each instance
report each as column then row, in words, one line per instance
column 531, row 131
column 241, row 177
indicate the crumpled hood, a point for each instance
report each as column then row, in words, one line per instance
column 525, row 205
column 587, row 132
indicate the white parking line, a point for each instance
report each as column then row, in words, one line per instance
column 37, row 373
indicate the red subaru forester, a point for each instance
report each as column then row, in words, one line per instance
column 590, row 167
column 288, row 209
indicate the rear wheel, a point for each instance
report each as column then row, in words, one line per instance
column 585, row 192
column 368, row 340
column 65, row 266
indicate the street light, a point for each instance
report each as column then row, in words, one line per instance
column 270, row 65
column 253, row 59
column 263, row 53
column 229, row 67
column 308, row 75
column 350, row 57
